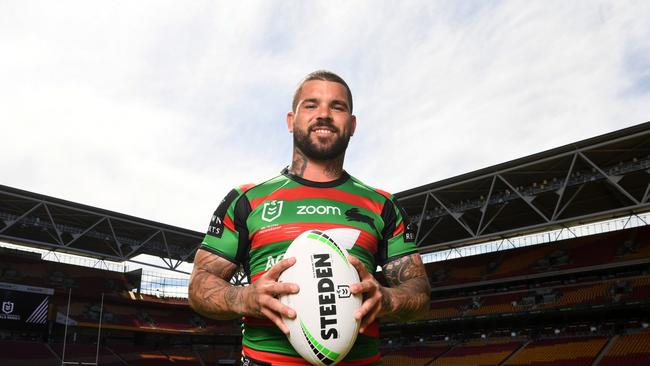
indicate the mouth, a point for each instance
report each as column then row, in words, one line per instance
column 323, row 131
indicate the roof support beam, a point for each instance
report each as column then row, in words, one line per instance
column 485, row 205
column 85, row 231
column 435, row 224
column 145, row 241
column 564, row 185
column 455, row 216
column 21, row 217
column 528, row 200
column 493, row 217
column 116, row 240
column 424, row 208
column 56, row 229
column 612, row 179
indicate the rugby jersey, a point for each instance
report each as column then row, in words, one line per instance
column 254, row 225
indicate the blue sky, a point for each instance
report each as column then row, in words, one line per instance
column 156, row 109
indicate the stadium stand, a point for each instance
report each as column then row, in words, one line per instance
column 418, row 355
column 181, row 356
column 629, row 350
column 477, row 353
column 559, row 352
column 86, row 354
column 211, row 355
column 26, row 268
column 135, row 356
column 611, row 248
column 18, row 353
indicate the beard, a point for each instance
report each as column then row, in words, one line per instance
column 325, row 150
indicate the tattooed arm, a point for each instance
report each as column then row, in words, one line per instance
column 211, row 295
column 407, row 297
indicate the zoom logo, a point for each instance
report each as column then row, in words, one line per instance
column 318, row 210
column 343, row 291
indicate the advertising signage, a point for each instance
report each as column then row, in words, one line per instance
column 24, row 307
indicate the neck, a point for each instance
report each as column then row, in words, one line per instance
column 316, row 170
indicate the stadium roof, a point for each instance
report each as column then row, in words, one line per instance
column 36, row 220
column 598, row 178
column 590, row 180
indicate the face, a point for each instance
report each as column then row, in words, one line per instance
column 322, row 123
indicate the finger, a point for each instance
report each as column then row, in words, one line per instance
column 275, row 271
column 369, row 319
column 362, row 287
column 284, row 288
column 277, row 320
column 366, row 307
column 361, row 269
column 279, row 308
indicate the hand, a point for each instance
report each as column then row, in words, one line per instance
column 260, row 299
column 373, row 293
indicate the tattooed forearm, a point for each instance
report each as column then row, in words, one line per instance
column 210, row 293
column 408, row 295
column 401, row 270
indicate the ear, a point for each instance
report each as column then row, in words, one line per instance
column 354, row 124
column 290, row 117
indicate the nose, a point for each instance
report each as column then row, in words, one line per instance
column 324, row 112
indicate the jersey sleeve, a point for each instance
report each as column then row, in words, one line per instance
column 227, row 235
column 398, row 234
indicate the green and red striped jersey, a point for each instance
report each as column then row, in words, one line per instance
column 254, row 225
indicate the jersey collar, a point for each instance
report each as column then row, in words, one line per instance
column 333, row 183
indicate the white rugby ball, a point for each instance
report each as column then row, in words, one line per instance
column 324, row 329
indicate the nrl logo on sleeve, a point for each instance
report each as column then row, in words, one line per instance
column 272, row 210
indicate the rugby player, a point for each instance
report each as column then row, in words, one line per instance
column 255, row 223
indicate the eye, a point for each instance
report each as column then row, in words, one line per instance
column 309, row 105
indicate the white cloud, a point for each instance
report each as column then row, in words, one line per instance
column 157, row 109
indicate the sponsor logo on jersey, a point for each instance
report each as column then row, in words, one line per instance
column 272, row 210
column 318, row 210
column 271, row 261
column 216, row 226
column 353, row 214
column 409, row 232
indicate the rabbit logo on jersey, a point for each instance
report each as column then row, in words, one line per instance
column 272, row 210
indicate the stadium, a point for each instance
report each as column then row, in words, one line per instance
column 543, row 260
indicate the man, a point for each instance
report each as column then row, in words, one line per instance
column 254, row 225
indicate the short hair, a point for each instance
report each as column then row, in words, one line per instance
column 323, row 75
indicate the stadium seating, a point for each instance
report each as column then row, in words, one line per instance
column 611, row 247
column 496, row 304
column 418, row 355
column 211, row 355
column 139, row 315
column 27, row 270
column 18, row 353
column 447, row 308
column 559, row 352
column 86, row 353
column 480, row 353
column 182, row 356
column 136, row 356
column 585, row 294
column 629, row 350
